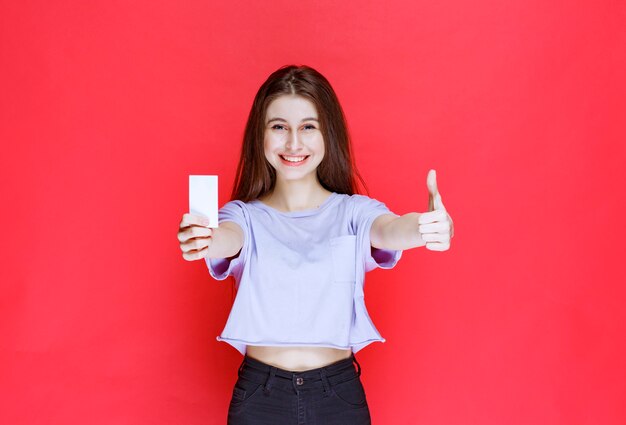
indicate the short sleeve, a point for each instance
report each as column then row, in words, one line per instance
column 221, row 268
column 366, row 210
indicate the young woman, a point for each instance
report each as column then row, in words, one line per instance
column 298, row 241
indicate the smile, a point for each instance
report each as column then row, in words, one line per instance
column 293, row 160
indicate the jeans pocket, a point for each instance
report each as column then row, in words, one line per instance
column 350, row 392
column 243, row 391
column 343, row 253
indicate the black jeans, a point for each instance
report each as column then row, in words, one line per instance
column 329, row 395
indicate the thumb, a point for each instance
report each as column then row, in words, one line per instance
column 434, row 198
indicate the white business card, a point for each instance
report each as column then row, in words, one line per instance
column 203, row 197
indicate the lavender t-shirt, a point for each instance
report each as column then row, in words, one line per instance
column 300, row 274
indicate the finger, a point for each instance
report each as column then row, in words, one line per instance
column 432, row 216
column 435, row 237
column 438, row 203
column 431, row 182
column 194, row 232
column 437, row 246
column 191, row 219
column 437, row 227
column 195, row 255
column 195, row 244
column 434, row 197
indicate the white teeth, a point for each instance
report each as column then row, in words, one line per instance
column 293, row 158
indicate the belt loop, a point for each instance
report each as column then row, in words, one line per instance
column 358, row 373
column 241, row 365
column 325, row 382
column 270, row 379
column 293, row 382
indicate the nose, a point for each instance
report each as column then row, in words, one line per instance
column 293, row 142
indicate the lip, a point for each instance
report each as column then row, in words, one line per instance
column 294, row 164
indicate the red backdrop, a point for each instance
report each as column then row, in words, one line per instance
column 107, row 107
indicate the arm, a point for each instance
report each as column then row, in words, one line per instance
column 432, row 229
column 396, row 233
column 226, row 241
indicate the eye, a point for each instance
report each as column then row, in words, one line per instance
column 278, row 127
column 309, row 127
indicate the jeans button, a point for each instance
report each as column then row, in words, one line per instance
column 299, row 381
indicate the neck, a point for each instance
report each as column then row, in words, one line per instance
column 289, row 196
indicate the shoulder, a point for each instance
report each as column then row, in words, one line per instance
column 236, row 205
column 237, row 202
column 361, row 208
column 364, row 202
column 354, row 199
column 234, row 210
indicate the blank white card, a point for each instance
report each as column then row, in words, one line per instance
column 203, row 197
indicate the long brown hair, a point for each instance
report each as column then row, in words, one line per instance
column 337, row 172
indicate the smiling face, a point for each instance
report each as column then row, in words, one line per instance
column 293, row 142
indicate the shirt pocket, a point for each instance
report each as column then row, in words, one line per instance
column 343, row 257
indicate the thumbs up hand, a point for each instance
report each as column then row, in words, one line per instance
column 435, row 226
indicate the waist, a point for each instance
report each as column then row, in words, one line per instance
column 297, row 358
column 259, row 372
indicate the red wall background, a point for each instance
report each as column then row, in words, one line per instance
column 108, row 106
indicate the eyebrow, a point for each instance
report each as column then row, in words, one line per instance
column 284, row 120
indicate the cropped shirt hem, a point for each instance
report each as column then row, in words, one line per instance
column 240, row 345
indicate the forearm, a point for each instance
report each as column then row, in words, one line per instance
column 402, row 233
column 225, row 243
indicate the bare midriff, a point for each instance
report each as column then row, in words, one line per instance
column 295, row 358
